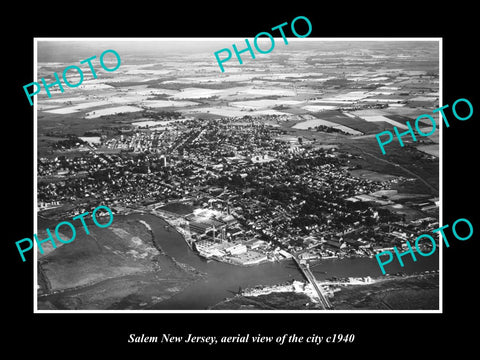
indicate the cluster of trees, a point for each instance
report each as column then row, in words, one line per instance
column 69, row 143
column 92, row 133
column 329, row 129
column 161, row 115
column 300, row 163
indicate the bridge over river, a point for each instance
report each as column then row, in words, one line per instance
column 305, row 269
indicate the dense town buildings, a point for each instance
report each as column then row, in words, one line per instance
column 253, row 181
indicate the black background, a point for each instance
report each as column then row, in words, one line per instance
column 385, row 335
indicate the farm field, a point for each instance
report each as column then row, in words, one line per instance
column 230, row 111
column 312, row 123
column 110, row 111
column 168, row 126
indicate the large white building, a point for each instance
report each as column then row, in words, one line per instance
column 209, row 249
column 249, row 258
column 236, row 249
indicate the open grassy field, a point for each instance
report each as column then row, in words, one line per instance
column 111, row 111
column 398, row 161
column 273, row 301
column 338, row 117
column 114, row 267
column 316, row 122
column 412, row 293
column 126, row 247
column 371, row 175
column 430, row 149
column 418, row 292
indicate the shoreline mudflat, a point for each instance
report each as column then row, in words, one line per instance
column 117, row 268
column 410, row 292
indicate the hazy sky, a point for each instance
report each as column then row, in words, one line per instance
column 73, row 51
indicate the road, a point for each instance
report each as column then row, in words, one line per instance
column 308, row 274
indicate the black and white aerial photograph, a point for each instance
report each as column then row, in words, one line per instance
column 261, row 188
column 214, row 179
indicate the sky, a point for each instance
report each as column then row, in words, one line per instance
column 74, row 50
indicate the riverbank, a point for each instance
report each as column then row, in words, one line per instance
column 297, row 287
column 407, row 292
column 183, row 280
column 223, row 279
column 394, row 292
column 179, row 225
column 174, row 223
column 120, row 267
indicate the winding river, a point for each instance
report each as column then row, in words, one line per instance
column 223, row 280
